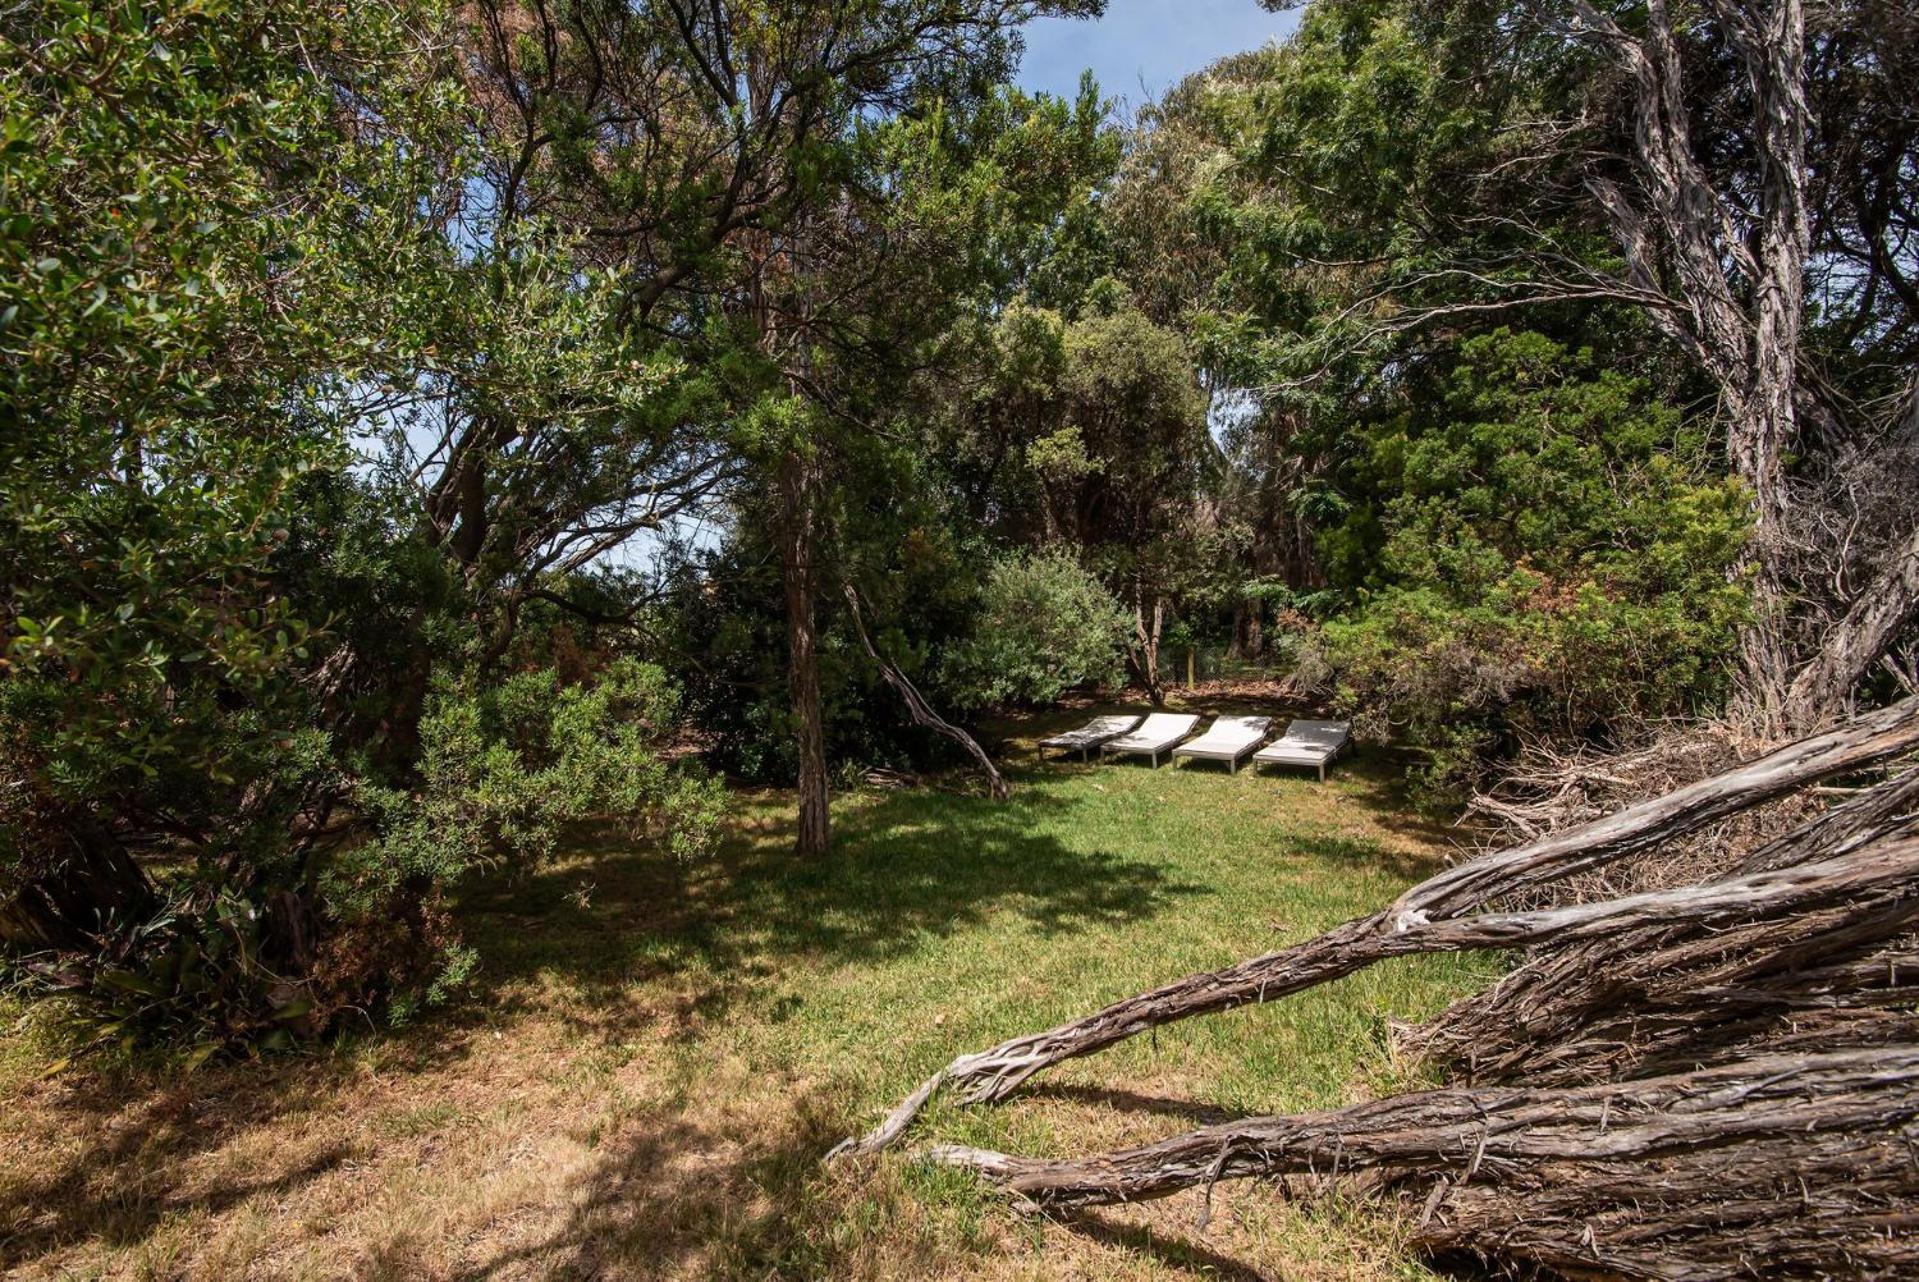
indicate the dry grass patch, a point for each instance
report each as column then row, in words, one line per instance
column 657, row 1056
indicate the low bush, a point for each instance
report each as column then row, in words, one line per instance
column 1045, row 625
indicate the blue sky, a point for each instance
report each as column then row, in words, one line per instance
column 1155, row 41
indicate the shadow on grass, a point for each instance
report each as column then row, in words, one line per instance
column 905, row 868
column 107, row 1196
column 680, row 1198
column 1126, row 1101
column 1172, row 1252
column 696, row 1186
column 144, row 1127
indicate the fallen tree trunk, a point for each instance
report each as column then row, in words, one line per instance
column 1794, row 1164
column 1678, row 994
column 1479, row 1131
column 1426, row 919
column 1806, row 1206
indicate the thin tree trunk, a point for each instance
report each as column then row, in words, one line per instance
column 916, row 705
column 1858, row 641
column 1144, row 652
column 799, row 575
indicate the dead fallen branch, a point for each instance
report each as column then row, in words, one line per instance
column 1473, row 1133
column 917, row 707
column 1674, row 994
column 1803, row 1206
column 1786, row 1165
column 1430, row 916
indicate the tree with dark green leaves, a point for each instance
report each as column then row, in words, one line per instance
column 736, row 173
column 245, row 746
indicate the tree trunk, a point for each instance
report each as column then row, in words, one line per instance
column 1737, row 293
column 90, row 888
column 1713, row 1080
column 1144, row 652
column 1856, row 642
column 1490, row 1128
column 799, row 575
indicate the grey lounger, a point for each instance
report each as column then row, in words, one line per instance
column 1091, row 735
column 1306, row 743
column 1157, row 734
column 1227, row 739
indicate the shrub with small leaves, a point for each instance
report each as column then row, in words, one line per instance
column 1045, row 625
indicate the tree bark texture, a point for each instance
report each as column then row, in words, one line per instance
column 799, row 548
column 1144, row 652
column 1888, row 605
column 1790, row 1164
column 1723, row 274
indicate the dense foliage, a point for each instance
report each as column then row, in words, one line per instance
column 229, row 812
column 428, row 428
column 1044, row 626
column 1536, row 546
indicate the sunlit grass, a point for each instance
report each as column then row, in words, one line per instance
column 659, row 1054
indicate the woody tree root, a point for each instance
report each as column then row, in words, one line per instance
column 1702, row 1079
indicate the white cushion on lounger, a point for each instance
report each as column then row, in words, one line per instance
column 1094, row 732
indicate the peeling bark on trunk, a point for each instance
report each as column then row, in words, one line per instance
column 1464, row 1131
column 1729, row 277
column 1797, row 1164
column 1886, row 607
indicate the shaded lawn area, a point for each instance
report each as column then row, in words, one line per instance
column 658, row 1055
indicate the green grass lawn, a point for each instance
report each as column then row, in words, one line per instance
column 658, row 1055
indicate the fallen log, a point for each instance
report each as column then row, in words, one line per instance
column 1475, row 1132
column 1427, row 917
column 1843, row 976
column 1803, row 1206
column 1673, row 995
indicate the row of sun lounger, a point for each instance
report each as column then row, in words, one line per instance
column 1228, row 739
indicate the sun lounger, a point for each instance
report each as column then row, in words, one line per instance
column 1157, row 734
column 1091, row 735
column 1306, row 743
column 1227, row 739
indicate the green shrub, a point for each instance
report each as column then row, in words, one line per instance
column 1549, row 550
column 503, row 770
column 1045, row 625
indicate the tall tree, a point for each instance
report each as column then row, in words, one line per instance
column 717, row 161
column 1685, row 137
